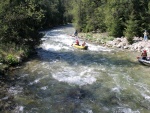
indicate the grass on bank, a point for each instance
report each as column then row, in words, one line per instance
column 99, row 38
column 11, row 54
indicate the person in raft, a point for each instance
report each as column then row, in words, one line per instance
column 77, row 42
column 83, row 44
column 144, row 55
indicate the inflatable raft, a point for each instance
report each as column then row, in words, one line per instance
column 80, row 47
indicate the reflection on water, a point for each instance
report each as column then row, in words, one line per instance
column 63, row 79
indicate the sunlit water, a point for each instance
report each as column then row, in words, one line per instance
column 63, row 79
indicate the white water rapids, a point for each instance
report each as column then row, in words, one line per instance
column 63, row 79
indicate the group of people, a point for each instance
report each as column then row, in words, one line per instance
column 144, row 52
column 143, row 55
column 77, row 41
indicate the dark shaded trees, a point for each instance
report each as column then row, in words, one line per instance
column 20, row 21
column 56, row 12
column 117, row 17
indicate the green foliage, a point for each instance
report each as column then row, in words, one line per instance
column 20, row 23
column 131, row 28
column 56, row 12
column 11, row 53
column 111, row 16
column 99, row 38
column 10, row 59
column 1, row 59
column 148, row 18
column 88, row 15
column 115, row 17
column 114, row 28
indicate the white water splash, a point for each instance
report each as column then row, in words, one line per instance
column 19, row 109
column 142, row 87
column 124, row 110
column 38, row 80
column 92, row 47
column 44, row 88
column 89, row 111
column 116, row 89
column 73, row 77
column 5, row 98
column 23, row 75
column 64, row 41
column 15, row 90
column 147, row 97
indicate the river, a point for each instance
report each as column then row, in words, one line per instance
column 63, row 79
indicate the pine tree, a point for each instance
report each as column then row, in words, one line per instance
column 131, row 28
column 114, row 17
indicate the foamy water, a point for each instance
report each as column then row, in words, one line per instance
column 64, row 79
column 64, row 41
column 72, row 76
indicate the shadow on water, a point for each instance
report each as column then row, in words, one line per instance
column 84, row 58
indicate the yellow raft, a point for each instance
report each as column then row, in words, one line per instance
column 80, row 47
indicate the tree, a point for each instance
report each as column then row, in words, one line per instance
column 131, row 28
column 20, row 21
column 115, row 16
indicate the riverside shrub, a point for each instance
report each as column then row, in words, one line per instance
column 11, row 59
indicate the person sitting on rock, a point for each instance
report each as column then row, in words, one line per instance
column 76, row 33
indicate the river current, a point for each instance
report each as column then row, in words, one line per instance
column 63, row 79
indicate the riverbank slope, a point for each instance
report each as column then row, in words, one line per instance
column 138, row 45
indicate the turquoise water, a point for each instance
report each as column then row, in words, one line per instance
column 63, row 79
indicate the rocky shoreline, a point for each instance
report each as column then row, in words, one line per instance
column 138, row 45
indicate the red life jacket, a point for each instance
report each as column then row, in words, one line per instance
column 77, row 42
column 144, row 54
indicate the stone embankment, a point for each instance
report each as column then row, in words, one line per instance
column 138, row 44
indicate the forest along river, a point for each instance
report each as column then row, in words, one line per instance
column 63, row 79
